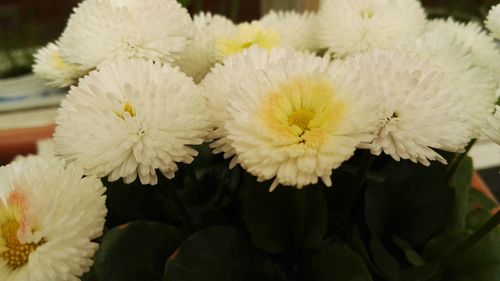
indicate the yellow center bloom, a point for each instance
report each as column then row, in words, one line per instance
column 57, row 61
column 303, row 111
column 12, row 223
column 247, row 35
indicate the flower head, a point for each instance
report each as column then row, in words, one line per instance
column 296, row 30
column 131, row 118
column 100, row 31
column 49, row 216
column 493, row 21
column 200, row 55
column 58, row 72
column 420, row 110
column 297, row 120
column 347, row 27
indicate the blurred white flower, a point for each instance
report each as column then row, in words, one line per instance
column 49, row 216
column 100, row 31
column 476, row 85
column 493, row 21
column 420, row 110
column 296, row 30
column 131, row 118
column 296, row 120
column 492, row 129
column 200, row 56
column 348, row 27
column 482, row 46
column 223, row 81
column 50, row 66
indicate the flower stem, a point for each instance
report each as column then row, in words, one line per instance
column 180, row 209
column 458, row 158
column 366, row 163
column 479, row 234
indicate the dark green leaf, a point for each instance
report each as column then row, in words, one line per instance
column 384, row 260
column 426, row 272
column 477, row 199
column 338, row 262
column 481, row 262
column 218, row 254
column 414, row 203
column 89, row 276
column 136, row 252
column 413, row 257
column 135, row 202
column 184, row 3
column 286, row 219
column 477, row 218
column 461, row 182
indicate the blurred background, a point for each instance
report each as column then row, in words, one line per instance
column 26, row 25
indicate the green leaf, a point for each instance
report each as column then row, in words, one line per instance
column 413, row 257
column 476, row 218
column 461, row 182
column 481, row 262
column 184, row 3
column 384, row 260
column 338, row 262
column 477, row 199
column 286, row 219
column 135, row 202
column 414, row 203
column 219, row 254
column 426, row 272
column 136, row 252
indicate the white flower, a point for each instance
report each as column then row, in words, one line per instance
column 245, row 36
column 46, row 148
column 101, row 31
column 420, row 110
column 483, row 47
column 49, row 65
column 296, row 120
column 347, row 27
column 493, row 21
column 49, row 216
column 296, row 30
column 131, row 118
column 224, row 80
column 475, row 84
column 200, row 56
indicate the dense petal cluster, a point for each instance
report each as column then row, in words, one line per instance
column 130, row 118
column 296, row 120
column 100, row 31
column 50, row 66
column 420, row 110
column 347, row 27
column 493, row 21
column 49, row 215
column 200, row 55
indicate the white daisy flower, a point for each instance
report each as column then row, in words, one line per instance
column 200, row 56
column 46, row 148
column 49, row 216
column 420, row 110
column 483, row 47
column 245, row 36
column 492, row 129
column 493, row 21
column 297, row 120
column 100, row 31
column 50, row 66
column 224, row 80
column 347, row 27
column 475, row 84
column 131, row 118
column 296, row 30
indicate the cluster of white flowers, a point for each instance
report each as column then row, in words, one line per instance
column 158, row 82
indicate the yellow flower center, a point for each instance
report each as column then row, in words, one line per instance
column 303, row 111
column 57, row 61
column 301, row 118
column 366, row 13
column 16, row 253
column 247, row 35
column 127, row 108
